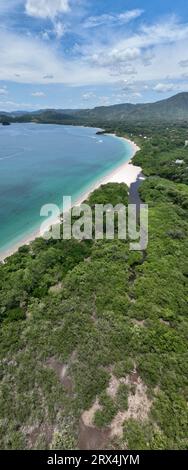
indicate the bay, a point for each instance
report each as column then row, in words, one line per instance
column 39, row 164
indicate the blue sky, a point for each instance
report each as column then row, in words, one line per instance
column 86, row 53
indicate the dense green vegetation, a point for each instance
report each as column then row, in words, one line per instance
column 173, row 109
column 96, row 309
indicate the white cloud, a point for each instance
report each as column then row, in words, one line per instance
column 3, row 90
column 165, row 33
column 137, row 95
column 164, row 87
column 123, row 69
column 88, row 96
column 26, row 59
column 109, row 19
column 116, row 56
column 38, row 94
column 59, row 29
column 14, row 106
column 153, row 51
column 29, row 60
column 168, row 32
column 45, row 35
column 130, row 15
column 48, row 77
column 161, row 47
column 46, row 8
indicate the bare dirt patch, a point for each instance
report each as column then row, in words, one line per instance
column 56, row 288
column 88, row 416
column 90, row 437
column 93, row 438
column 113, row 387
column 136, row 322
column 138, row 405
column 164, row 322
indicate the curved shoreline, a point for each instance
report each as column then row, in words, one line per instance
column 125, row 173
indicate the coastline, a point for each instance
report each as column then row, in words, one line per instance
column 125, row 173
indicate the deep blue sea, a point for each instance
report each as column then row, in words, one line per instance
column 39, row 164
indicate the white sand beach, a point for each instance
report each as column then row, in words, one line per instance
column 125, row 173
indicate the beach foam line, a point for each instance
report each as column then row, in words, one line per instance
column 125, row 173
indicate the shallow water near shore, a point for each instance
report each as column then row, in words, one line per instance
column 39, row 164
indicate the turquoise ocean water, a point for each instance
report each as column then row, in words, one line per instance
column 39, row 164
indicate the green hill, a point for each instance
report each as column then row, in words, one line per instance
column 174, row 109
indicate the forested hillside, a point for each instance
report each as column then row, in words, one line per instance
column 173, row 109
column 93, row 341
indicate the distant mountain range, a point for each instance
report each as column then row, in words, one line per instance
column 170, row 110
